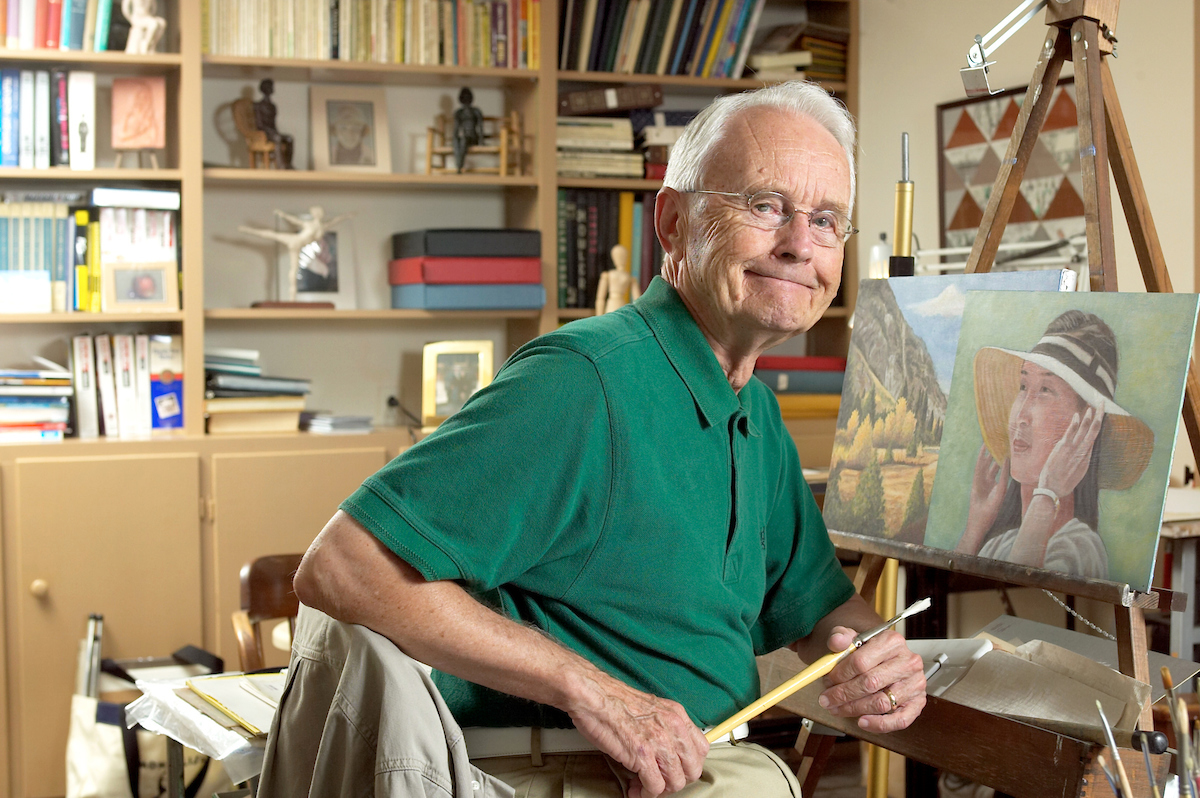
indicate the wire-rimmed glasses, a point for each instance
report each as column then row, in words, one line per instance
column 770, row 210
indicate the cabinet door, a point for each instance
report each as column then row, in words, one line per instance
column 274, row 503
column 116, row 535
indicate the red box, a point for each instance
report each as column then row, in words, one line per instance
column 422, row 269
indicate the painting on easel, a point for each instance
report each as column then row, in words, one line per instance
column 1060, row 430
column 898, row 377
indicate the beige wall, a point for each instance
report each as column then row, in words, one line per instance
column 910, row 54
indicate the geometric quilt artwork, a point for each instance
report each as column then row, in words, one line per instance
column 973, row 137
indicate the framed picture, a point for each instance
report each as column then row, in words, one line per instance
column 139, row 113
column 326, row 271
column 451, row 372
column 350, row 129
column 151, row 286
column 973, row 138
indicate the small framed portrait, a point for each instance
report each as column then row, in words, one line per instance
column 350, row 129
column 139, row 113
column 139, row 287
column 451, row 372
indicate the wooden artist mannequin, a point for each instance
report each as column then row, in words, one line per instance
column 617, row 287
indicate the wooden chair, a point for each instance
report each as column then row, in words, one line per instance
column 502, row 137
column 256, row 140
column 266, row 594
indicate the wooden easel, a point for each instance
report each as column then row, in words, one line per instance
column 1013, row 757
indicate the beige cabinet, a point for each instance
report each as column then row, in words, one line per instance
column 117, row 535
column 273, row 503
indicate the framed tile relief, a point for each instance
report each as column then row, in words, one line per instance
column 973, row 137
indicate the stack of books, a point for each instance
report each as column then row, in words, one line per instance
column 808, row 49
column 127, row 385
column 239, row 399
column 806, row 386
column 35, row 405
column 591, row 146
column 787, row 65
column 329, row 424
column 467, row 269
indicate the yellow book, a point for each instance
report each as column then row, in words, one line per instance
column 809, row 405
column 534, row 37
column 398, row 32
column 718, row 37
column 625, row 221
column 93, row 266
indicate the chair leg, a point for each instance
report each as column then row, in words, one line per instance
column 816, row 753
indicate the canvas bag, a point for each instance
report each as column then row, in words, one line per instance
column 107, row 760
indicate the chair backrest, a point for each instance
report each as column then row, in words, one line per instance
column 266, row 594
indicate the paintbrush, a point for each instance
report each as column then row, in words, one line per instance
column 1182, row 760
column 1108, row 775
column 1112, row 746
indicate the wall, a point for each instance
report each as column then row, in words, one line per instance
column 910, row 54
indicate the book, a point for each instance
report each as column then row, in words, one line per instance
column 81, row 112
column 75, row 28
column 621, row 98
column 464, row 270
column 801, row 363
column 145, row 402
column 150, row 199
column 250, row 404
column 246, row 382
column 26, row 120
column 228, row 354
column 228, row 367
column 10, row 105
column 809, row 405
column 29, row 410
column 590, row 132
column 36, row 390
column 34, row 434
column 166, row 381
column 468, row 242
column 739, row 63
column 788, row 58
column 60, row 140
column 253, row 422
column 804, row 381
column 104, row 10
column 41, row 119
column 495, row 296
column 125, row 378
column 329, row 424
column 106, row 387
column 225, row 692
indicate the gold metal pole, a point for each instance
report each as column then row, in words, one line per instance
column 885, row 605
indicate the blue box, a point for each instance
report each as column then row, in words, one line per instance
column 480, row 296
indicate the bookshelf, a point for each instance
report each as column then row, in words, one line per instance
column 221, row 500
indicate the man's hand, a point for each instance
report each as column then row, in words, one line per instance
column 651, row 737
column 864, row 684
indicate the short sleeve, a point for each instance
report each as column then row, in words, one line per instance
column 520, row 477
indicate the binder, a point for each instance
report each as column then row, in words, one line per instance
column 106, row 387
column 83, row 369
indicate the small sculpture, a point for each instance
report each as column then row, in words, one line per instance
column 310, row 230
column 264, row 120
column 145, row 27
column 617, row 287
column 468, row 127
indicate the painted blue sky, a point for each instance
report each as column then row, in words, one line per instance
column 933, row 306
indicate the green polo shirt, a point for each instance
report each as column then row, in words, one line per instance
column 610, row 488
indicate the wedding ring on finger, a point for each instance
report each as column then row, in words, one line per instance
column 892, row 697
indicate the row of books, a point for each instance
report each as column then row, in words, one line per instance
column 786, row 374
column 702, row 38
column 485, row 33
column 47, row 118
column 126, row 385
column 238, row 398
column 97, row 251
column 637, row 146
column 802, row 50
column 467, row 269
column 590, row 223
column 81, row 25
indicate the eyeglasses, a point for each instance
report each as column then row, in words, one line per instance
column 771, row 210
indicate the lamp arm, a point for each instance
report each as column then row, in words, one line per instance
column 974, row 75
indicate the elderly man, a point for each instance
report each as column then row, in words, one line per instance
column 606, row 536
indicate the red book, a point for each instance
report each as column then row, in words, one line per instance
column 41, row 22
column 801, row 363
column 54, row 24
column 421, row 269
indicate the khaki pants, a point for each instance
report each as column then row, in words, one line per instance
column 730, row 771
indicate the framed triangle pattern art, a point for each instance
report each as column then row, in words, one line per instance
column 973, row 139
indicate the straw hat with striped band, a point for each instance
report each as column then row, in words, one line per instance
column 1081, row 349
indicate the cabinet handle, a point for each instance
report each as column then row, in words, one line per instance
column 39, row 588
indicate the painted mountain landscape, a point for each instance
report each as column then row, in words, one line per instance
column 893, row 408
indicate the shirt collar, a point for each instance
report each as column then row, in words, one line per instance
column 691, row 355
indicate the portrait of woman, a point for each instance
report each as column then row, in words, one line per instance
column 1053, row 439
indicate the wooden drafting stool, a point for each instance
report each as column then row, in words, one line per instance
column 266, row 594
column 1033, row 761
column 502, row 138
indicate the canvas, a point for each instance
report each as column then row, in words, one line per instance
column 1029, row 371
column 898, row 376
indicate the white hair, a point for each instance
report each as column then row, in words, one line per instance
column 690, row 152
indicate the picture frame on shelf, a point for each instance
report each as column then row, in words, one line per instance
column 451, row 372
column 327, row 270
column 350, row 129
column 139, row 113
column 139, row 287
